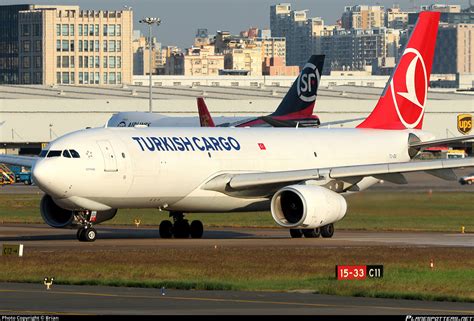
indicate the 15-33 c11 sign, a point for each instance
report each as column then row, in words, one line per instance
column 359, row 272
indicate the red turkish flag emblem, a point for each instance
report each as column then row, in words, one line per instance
column 262, row 146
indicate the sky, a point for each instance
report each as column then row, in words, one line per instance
column 181, row 18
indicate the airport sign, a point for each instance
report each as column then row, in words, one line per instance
column 12, row 249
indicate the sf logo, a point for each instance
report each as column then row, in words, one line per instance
column 308, row 83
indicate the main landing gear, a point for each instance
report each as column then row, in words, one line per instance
column 325, row 231
column 86, row 233
column 180, row 228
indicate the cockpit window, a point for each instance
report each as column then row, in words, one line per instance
column 66, row 154
column 43, row 153
column 54, row 153
column 74, row 154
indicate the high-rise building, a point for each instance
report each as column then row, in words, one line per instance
column 245, row 59
column 272, row 47
column 395, row 18
column 440, row 7
column 9, row 44
column 141, row 56
column 202, row 61
column 363, row 17
column 454, row 52
column 353, row 49
column 449, row 14
column 298, row 30
column 66, row 45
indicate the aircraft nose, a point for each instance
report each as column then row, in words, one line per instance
column 42, row 174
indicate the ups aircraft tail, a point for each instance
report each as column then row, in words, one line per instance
column 300, row 99
column 403, row 101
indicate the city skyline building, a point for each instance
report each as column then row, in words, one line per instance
column 363, row 17
column 66, row 45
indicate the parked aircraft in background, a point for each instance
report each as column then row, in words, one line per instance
column 300, row 174
column 295, row 120
column 297, row 105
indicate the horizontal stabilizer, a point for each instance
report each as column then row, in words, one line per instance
column 444, row 141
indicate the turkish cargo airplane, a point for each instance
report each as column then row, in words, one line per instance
column 296, row 106
column 301, row 175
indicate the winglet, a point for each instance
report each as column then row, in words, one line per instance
column 403, row 101
column 204, row 115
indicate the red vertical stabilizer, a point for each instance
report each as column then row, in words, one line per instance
column 403, row 101
column 204, row 115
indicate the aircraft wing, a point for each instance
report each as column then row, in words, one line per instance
column 264, row 183
column 27, row 161
column 444, row 141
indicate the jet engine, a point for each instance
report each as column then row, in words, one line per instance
column 307, row 206
column 56, row 216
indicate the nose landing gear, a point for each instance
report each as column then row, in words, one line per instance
column 86, row 233
column 180, row 229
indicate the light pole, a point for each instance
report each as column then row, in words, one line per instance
column 150, row 21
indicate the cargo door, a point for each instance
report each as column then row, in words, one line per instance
column 110, row 161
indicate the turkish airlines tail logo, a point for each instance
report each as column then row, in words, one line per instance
column 402, row 104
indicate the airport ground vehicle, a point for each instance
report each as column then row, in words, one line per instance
column 455, row 153
column 468, row 179
column 14, row 174
column 6, row 175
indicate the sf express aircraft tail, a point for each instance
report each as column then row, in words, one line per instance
column 205, row 117
column 403, row 101
column 300, row 99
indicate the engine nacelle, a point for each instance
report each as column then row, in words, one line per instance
column 307, row 206
column 56, row 216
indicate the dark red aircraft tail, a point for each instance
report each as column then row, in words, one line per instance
column 204, row 115
column 301, row 97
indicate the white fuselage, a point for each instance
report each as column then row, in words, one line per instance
column 166, row 167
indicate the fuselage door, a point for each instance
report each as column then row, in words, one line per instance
column 110, row 161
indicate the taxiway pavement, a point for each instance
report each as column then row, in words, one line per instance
column 114, row 237
column 34, row 299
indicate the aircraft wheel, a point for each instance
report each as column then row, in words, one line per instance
column 196, row 229
column 311, row 233
column 327, row 231
column 166, row 229
column 80, row 234
column 181, row 229
column 90, row 234
column 296, row 233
